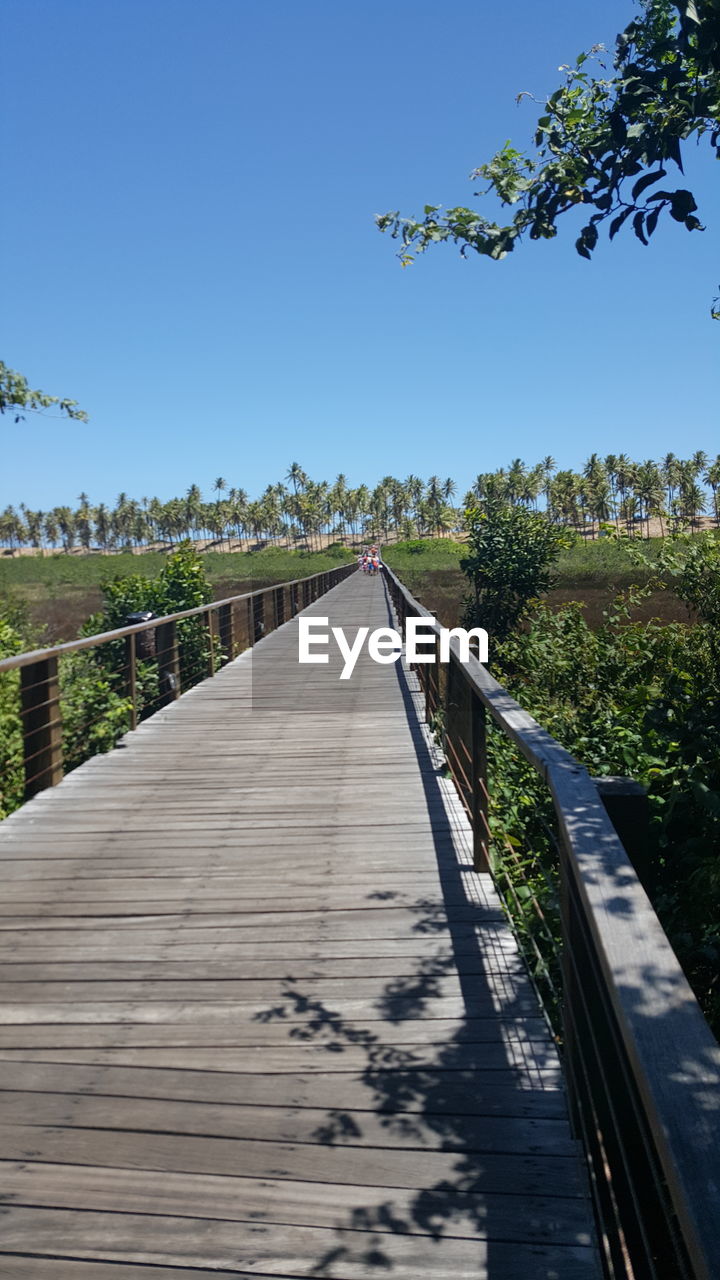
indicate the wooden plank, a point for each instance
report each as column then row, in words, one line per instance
column 32, row 1267
column 528, row 1063
column 225, row 1246
column 302, row 1013
column 163, row 894
column 513, row 1172
column 128, row 938
column 424, row 990
column 388, row 1087
column 561, row 1220
column 208, row 967
column 300, row 925
column 134, row 1030
column 289, row 1124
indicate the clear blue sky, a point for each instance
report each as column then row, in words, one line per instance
column 189, row 251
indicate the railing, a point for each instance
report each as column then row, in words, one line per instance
column 141, row 668
column 642, row 1067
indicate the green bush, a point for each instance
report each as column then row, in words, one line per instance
column 95, row 712
column 11, row 737
column 640, row 700
column 508, row 565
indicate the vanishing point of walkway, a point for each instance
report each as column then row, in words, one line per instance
column 260, row 1017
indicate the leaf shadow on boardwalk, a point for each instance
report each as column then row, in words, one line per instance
column 516, row 1175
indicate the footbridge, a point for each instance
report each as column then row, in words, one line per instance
column 263, row 1013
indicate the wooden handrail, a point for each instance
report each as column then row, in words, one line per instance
column 622, row 979
column 91, row 642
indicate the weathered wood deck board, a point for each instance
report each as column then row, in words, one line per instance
column 258, row 1014
column 294, row 1203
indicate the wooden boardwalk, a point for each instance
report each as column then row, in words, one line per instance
column 260, row 1017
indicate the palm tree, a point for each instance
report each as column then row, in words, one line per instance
column 34, row 525
column 296, row 476
column 515, row 479
column 599, row 500
column 598, row 489
column 650, row 491
column 103, row 526
column 532, row 486
column 698, row 462
column 66, row 524
column 51, row 528
column 83, row 522
column 193, row 508
column 547, row 466
column 691, row 502
column 670, row 472
column 624, row 477
column 712, row 477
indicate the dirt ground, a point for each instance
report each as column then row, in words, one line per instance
column 442, row 591
column 59, row 618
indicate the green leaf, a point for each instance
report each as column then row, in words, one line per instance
column 652, row 219
column 682, row 204
column 616, row 223
column 638, row 222
column 647, row 181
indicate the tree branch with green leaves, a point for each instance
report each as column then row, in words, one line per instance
column 602, row 142
column 16, row 395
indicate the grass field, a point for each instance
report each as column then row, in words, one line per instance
column 590, row 572
column 59, row 592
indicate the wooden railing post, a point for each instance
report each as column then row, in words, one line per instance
column 42, row 727
column 432, row 699
column 258, row 616
column 226, row 627
column 209, row 615
column 168, row 663
column 269, row 619
column 279, row 594
column 480, row 814
column 131, row 677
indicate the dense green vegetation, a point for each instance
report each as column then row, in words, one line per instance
column 639, row 700
column 95, row 710
column 604, row 560
column 510, row 551
column 588, row 573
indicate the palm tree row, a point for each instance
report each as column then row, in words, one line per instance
column 297, row 511
column 613, row 489
column 304, row 512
